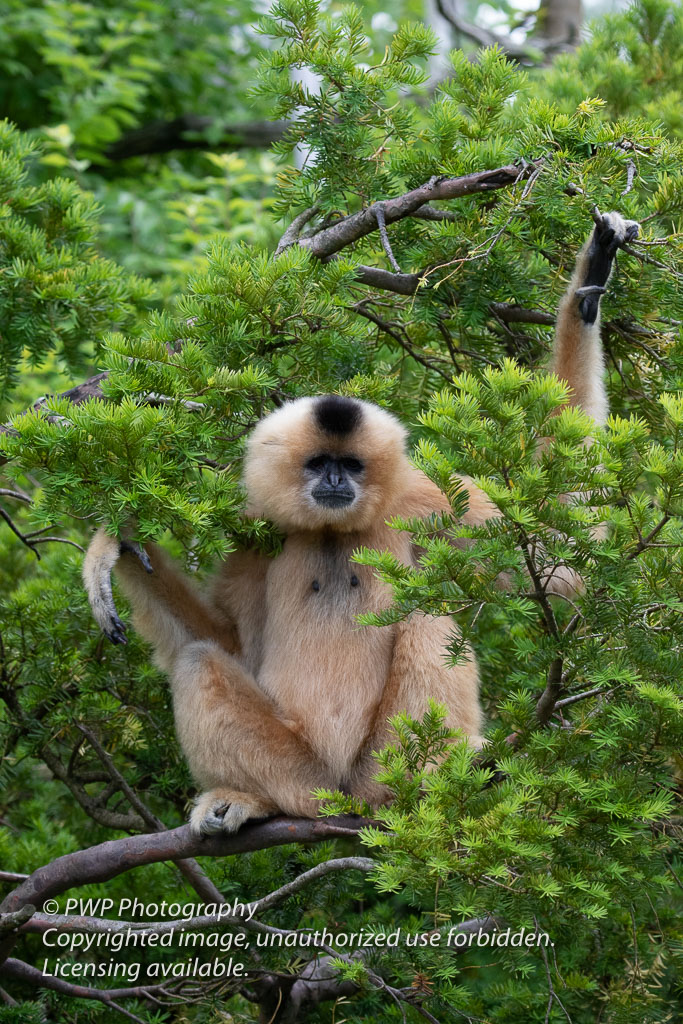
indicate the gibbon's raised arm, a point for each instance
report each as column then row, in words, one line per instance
column 577, row 350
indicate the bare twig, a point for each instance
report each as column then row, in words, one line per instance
column 552, row 994
column 4, row 514
column 382, row 225
column 578, row 696
column 19, row 495
column 328, row 866
column 394, row 333
column 34, row 978
column 188, row 867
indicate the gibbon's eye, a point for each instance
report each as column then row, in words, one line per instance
column 318, row 462
column 352, row 465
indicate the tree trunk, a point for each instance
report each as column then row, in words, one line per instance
column 560, row 20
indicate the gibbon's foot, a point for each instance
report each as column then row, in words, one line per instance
column 224, row 810
column 611, row 233
column 100, row 559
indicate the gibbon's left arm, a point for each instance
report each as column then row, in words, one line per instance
column 576, row 357
column 577, row 350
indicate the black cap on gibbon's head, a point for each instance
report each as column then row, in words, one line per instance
column 337, row 415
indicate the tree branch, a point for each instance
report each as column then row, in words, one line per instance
column 116, row 856
column 189, row 131
column 548, row 699
column 90, row 388
column 350, row 229
column 328, row 866
column 102, row 815
column 514, row 314
column 34, row 978
column 375, row 277
column 40, row 923
column 483, row 37
column 291, row 235
column 12, row 876
column 579, row 696
column 521, row 52
column 388, row 328
column 15, row 918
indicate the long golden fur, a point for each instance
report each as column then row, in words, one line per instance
column 277, row 690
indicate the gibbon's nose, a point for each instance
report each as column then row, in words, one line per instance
column 334, row 489
column 334, row 474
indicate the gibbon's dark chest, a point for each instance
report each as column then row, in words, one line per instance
column 336, row 584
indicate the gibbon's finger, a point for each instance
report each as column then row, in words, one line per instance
column 99, row 561
column 139, row 552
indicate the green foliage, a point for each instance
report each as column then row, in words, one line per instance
column 350, row 121
column 633, row 61
column 565, row 822
column 55, row 291
column 92, row 70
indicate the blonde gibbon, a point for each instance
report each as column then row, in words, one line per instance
column 277, row 690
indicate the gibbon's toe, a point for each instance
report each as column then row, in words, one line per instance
column 207, row 815
column 236, row 815
column 116, row 630
column 226, row 811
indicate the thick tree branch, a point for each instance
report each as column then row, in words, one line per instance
column 116, row 856
column 15, row 918
column 514, row 314
column 375, row 277
column 189, row 131
column 350, row 229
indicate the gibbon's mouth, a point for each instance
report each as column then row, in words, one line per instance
column 333, row 499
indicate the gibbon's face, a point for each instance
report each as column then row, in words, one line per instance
column 327, row 462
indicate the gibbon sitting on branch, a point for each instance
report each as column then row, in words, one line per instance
column 276, row 688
